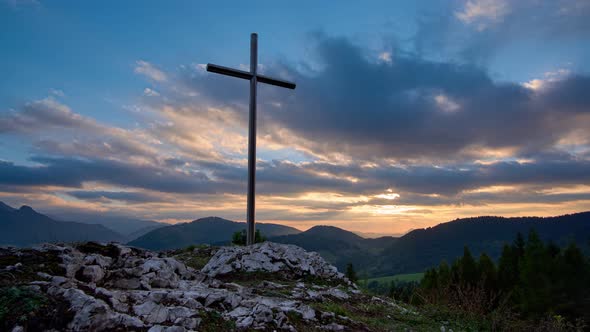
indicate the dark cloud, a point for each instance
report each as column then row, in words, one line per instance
column 126, row 196
column 70, row 172
column 415, row 184
column 423, row 124
column 411, row 108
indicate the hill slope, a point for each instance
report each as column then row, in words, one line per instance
column 424, row 248
column 211, row 230
column 338, row 246
column 26, row 227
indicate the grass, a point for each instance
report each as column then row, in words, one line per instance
column 408, row 277
column 213, row 322
column 32, row 263
column 33, row 310
column 19, row 303
column 377, row 316
column 195, row 256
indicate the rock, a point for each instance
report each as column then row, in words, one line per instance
column 127, row 283
column 136, row 289
column 334, row 327
column 92, row 273
column 291, row 261
column 337, row 293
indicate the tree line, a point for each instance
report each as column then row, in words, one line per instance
column 532, row 282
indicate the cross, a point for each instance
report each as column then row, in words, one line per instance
column 254, row 78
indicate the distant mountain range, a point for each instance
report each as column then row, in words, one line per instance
column 130, row 228
column 26, row 227
column 412, row 252
column 212, row 230
column 421, row 249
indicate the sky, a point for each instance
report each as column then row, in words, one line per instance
column 406, row 114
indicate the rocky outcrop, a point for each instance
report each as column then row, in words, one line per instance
column 114, row 287
column 287, row 260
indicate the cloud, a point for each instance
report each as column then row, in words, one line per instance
column 57, row 92
column 477, row 31
column 70, row 172
column 408, row 110
column 125, row 196
column 483, row 12
column 399, row 135
column 548, row 78
column 150, row 92
column 44, row 113
column 149, row 70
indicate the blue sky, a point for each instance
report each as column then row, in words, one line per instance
column 406, row 114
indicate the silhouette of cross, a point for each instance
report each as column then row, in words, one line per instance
column 254, row 78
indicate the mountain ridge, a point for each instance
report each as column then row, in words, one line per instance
column 209, row 230
column 26, row 227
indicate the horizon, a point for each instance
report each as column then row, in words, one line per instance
column 405, row 116
column 366, row 235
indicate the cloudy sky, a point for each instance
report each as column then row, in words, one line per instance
column 404, row 116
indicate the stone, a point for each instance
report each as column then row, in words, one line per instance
column 334, row 327
column 290, row 260
column 152, row 312
column 127, row 283
column 92, row 273
column 337, row 293
column 136, row 289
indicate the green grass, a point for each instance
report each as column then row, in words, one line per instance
column 408, row 277
column 18, row 304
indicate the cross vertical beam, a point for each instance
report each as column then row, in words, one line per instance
column 254, row 78
column 250, row 210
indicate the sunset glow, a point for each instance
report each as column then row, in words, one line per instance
column 402, row 121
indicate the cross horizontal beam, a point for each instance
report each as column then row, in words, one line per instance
column 248, row 76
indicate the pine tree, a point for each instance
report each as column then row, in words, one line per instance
column 351, row 273
column 519, row 245
column 487, row 273
column 468, row 268
column 535, row 280
column 508, row 269
column 444, row 274
column 574, row 292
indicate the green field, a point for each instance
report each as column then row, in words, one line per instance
column 398, row 277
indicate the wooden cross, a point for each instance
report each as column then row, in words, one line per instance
column 254, row 78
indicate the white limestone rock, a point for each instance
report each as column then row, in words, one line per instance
column 135, row 289
column 290, row 260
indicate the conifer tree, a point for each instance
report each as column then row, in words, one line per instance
column 351, row 273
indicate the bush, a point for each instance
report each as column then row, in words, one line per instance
column 240, row 238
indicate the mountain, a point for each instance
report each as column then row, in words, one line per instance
column 338, row 246
column 26, row 227
column 131, row 228
column 211, row 230
column 423, row 248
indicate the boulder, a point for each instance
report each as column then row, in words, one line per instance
column 289, row 261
